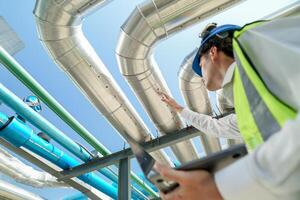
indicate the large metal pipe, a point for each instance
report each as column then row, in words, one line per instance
column 148, row 24
column 9, row 39
column 11, row 100
column 287, row 11
column 21, row 135
column 12, row 65
column 59, row 27
column 195, row 94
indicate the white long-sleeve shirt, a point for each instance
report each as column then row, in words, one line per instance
column 225, row 127
column 272, row 171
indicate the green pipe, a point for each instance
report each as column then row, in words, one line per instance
column 15, row 68
column 19, row 72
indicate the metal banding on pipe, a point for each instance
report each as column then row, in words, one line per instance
column 151, row 22
column 59, row 28
column 66, row 44
column 10, row 63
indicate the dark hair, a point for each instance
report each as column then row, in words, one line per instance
column 223, row 44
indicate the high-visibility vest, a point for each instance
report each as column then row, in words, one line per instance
column 259, row 113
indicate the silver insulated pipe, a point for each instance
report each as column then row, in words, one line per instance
column 148, row 24
column 59, row 26
column 12, row 192
column 195, row 94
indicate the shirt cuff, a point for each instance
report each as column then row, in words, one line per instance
column 185, row 113
column 236, row 182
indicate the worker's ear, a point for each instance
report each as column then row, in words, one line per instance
column 213, row 53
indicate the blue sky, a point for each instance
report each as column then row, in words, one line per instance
column 102, row 30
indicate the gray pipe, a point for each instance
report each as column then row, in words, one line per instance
column 59, row 27
column 195, row 94
column 149, row 23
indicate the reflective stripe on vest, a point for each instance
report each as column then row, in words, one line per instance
column 259, row 113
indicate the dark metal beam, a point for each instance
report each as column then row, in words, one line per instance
column 53, row 170
column 124, row 192
column 114, row 158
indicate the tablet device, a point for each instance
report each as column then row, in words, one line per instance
column 210, row 163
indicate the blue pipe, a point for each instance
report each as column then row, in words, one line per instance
column 144, row 179
column 19, row 134
column 11, row 100
column 142, row 190
column 136, row 195
column 78, row 196
column 3, row 119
